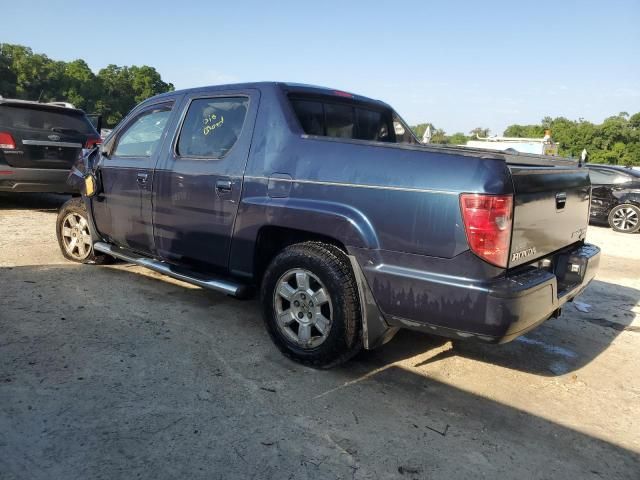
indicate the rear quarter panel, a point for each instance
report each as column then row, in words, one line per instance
column 408, row 196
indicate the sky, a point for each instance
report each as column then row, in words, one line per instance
column 458, row 65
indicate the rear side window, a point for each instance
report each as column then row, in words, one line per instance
column 339, row 120
column 349, row 120
column 212, row 126
column 311, row 116
column 41, row 119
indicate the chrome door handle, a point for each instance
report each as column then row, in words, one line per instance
column 223, row 186
column 142, row 178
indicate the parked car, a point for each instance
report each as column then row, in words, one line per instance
column 327, row 204
column 39, row 143
column 615, row 197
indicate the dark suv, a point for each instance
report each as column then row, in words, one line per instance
column 616, row 197
column 39, row 143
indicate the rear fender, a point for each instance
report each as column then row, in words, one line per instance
column 336, row 220
column 343, row 223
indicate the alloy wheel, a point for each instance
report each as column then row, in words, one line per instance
column 625, row 218
column 76, row 236
column 303, row 308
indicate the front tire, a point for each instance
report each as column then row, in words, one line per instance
column 74, row 238
column 625, row 218
column 311, row 305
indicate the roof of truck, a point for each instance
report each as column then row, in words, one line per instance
column 292, row 87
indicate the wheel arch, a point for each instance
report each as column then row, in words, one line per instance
column 272, row 239
column 267, row 225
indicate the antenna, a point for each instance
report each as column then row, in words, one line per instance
column 41, row 92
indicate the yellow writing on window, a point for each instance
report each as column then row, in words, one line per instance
column 211, row 122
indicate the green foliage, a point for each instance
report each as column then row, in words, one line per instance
column 616, row 140
column 112, row 92
column 458, row 138
column 479, row 132
column 419, row 129
column 439, row 136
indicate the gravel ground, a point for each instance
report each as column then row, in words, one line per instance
column 116, row 372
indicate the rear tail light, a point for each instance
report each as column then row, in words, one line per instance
column 92, row 142
column 487, row 222
column 6, row 141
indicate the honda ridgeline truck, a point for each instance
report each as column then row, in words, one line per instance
column 325, row 202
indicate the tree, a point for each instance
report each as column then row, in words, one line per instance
column 113, row 91
column 419, row 129
column 479, row 132
column 8, row 78
column 616, row 140
column 80, row 86
column 458, row 138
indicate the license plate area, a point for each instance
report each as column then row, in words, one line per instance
column 53, row 153
column 570, row 267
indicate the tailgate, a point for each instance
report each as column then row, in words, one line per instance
column 52, row 151
column 551, row 210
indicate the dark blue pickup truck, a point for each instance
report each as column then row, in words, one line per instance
column 326, row 203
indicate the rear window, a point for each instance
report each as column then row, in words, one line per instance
column 41, row 119
column 331, row 118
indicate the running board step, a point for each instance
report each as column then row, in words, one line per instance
column 218, row 284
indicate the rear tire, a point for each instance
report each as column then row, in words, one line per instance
column 311, row 306
column 74, row 238
column 625, row 218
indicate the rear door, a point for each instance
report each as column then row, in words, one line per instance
column 123, row 210
column 45, row 137
column 198, row 183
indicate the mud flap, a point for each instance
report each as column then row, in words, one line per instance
column 375, row 330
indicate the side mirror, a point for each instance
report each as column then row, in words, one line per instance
column 90, row 185
column 105, row 149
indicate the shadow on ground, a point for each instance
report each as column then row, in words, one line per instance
column 107, row 373
column 549, row 350
column 43, row 202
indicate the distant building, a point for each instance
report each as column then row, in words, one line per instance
column 539, row 146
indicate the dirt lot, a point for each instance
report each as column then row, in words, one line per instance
column 115, row 372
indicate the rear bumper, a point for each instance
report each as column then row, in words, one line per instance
column 532, row 297
column 495, row 311
column 34, row 180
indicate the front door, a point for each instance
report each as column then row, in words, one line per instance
column 122, row 212
column 198, row 182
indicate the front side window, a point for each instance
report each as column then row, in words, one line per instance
column 212, row 126
column 141, row 137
